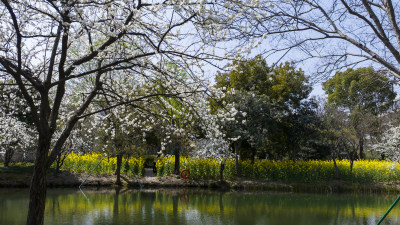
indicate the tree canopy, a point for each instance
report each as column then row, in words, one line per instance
column 362, row 88
column 278, row 117
column 282, row 83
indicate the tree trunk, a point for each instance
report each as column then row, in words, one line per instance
column 118, row 170
column 253, row 156
column 59, row 162
column 7, row 157
column 336, row 168
column 221, row 171
column 351, row 165
column 236, row 146
column 37, row 193
column 361, row 148
column 382, row 156
column 353, row 157
column 177, row 163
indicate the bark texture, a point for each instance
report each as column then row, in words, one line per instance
column 177, row 161
column 8, row 156
column 37, row 192
column 118, row 170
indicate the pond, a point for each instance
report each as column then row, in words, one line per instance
column 109, row 206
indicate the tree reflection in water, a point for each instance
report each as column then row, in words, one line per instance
column 121, row 206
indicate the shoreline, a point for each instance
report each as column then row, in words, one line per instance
column 67, row 180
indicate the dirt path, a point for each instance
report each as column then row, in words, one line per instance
column 148, row 172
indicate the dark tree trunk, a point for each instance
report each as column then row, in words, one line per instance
column 353, row 156
column 118, row 170
column 236, row 146
column 176, row 169
column 37, row 193
column 59, row 162
column 361, row 148
column 336, row 168
column 58, row 166
column 7, row 157
column 351, row 165
column 253, row 156
column 221, row 171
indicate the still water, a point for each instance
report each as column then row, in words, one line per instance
column 70, row 206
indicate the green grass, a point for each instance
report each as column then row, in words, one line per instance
column 17, row 169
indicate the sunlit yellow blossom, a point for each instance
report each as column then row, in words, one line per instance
column 286, row 170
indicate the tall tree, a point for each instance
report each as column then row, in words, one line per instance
column 279, row 92
column 338, row 136
column 179, row 117
column 248, row 122
column 364, row 94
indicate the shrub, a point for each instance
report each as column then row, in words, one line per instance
column 76, row 163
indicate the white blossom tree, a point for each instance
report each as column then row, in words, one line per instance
column 251, row 118
column 14, row 135
column 216, row 148
column 50, row 45
column 16, row 131
column 389, row 145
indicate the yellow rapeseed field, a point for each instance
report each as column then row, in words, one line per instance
column 286, row 170
column 77, row 163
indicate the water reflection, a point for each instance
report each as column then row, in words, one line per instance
column 119, row 206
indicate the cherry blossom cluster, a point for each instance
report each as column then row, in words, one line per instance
column 15, row 134
column 389, row 144
column 139, row 63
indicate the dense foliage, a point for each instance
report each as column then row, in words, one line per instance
column 283, row 83
column 279, row 121
column 363, row 88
